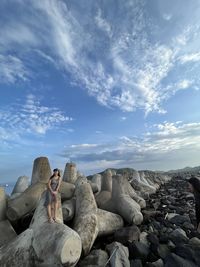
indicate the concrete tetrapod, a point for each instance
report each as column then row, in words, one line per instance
column 68, row 209
column 128, row 189
column 2, row 204
column 25, row 202
column 104, row 196
column 66, row 190
column 120, row 201
column 125, row 206
column 70, row 173
column 55, row 244
column 86, row 220
column 96, row 178
column 18, row 252
column 7, row 232
column 106, row 182
column 108, row 222
column 41, row 170
column 21, row 185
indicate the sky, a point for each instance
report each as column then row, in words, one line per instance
column 104, row 84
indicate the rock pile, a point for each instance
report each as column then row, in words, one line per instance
column 109, row 219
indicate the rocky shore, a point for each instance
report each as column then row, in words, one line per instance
column 166, row 237
column 117, row 218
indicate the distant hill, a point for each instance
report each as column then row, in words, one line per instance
column 187, row 171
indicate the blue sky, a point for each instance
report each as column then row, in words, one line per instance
column 101, row 83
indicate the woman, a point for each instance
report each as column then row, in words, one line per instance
column 51, row 196
column 194, row 187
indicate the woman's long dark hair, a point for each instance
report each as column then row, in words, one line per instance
column 195, row 182
column 54, row 175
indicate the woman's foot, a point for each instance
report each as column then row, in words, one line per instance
column 50, row 220
column 54, row 219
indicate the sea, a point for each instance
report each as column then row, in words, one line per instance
column 8, row 187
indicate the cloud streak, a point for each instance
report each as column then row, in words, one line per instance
column 118, row 61
column 157, row 144
column 12, row 69
column 29, row 119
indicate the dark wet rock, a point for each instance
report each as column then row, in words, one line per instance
column 152, row 257
column 148, row 214
column 188, row 226
column 125, row 234
column 96, row 258
column 156, row 225
column 178, row 236
column 184, row 251
column 174, row 260
column 138, row 250
column 171, row 245
column 164, row 238
column 153, row 239
column 136, row 263
column 171, row 190
column 163, row 251
column 179, row 219
column 194, row 242
column 189, row 196
column 158, row 263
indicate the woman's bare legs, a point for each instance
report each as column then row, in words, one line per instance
column 55, row 203
column 49, row 212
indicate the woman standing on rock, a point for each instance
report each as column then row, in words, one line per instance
column 51, row 200
column 194, row 187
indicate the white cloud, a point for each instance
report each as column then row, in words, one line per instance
column 126, row 68
column 12, row 69
column 123, row 118
column 102, row 23
column 167, row 17
column 194, row 57
column 31, row 118
column 161, row 143
column 98, row 132
column 84, row 146
column 184, row 84
column 17, row 33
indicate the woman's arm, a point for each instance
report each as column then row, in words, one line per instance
column 49, row 186
column 58, row 187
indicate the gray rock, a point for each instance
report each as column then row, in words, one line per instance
column 178, row 236
column 194, row 242
column 136, row 263
column 119, row 255
column 174, row 260
column 188, row 226
column 179, row 219
column 131, row 233
column 143, row 238
column 138, row 250
column 163, row 250
column 96, row 258
column 158, row 263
